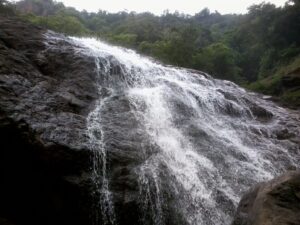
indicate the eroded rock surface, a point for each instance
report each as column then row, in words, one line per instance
column 46, row 92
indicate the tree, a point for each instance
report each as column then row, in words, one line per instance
column 219, row 60
column 6, row 8
column 249, row 47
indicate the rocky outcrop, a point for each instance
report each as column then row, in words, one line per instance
column 46, row 92
column 276, row 202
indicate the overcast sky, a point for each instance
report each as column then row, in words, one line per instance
column 158, row 6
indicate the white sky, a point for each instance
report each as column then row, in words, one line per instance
column 158, row 6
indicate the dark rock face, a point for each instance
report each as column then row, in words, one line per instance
column 45, row 94
column 276, row 202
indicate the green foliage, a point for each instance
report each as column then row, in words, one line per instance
column 219, row 60
column 64, row 24
column 127, row 40
column 6, row 8
column 269, row 85
column 292, row 97
column 272, row 85
column 253, row 49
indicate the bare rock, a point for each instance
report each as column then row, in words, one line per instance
column 276, row 202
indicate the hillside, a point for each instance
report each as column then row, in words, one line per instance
column 258, row 50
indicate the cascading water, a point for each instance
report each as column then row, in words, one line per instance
column 176, row 145
column 96, row 135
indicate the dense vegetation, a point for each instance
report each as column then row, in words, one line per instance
column 255, row 50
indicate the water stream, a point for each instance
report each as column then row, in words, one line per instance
column 191, row 144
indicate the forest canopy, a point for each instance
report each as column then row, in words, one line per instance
column 255, row 49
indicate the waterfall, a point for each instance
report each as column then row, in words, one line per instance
column 99, row 163
column 179, row 145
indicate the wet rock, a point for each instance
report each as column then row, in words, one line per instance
column 260, row 112
column 284, row 134
column 46, row 92
column 276, row 202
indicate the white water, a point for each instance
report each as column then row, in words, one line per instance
column 207, row 148
column 95, row 133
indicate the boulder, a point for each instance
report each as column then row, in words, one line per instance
column 276, row 202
